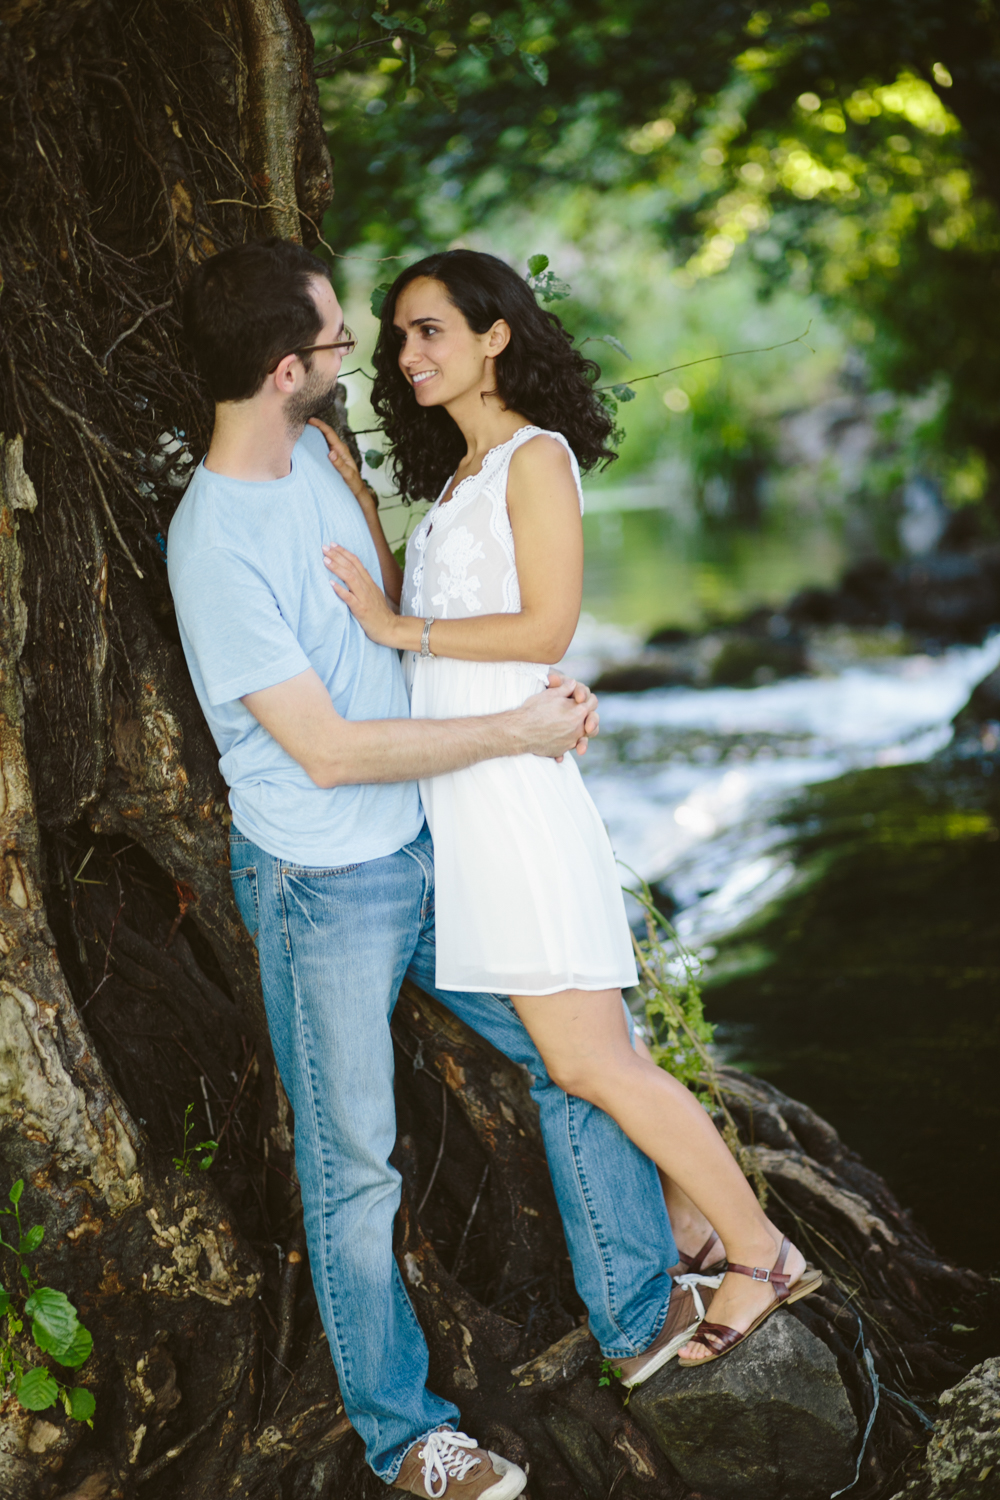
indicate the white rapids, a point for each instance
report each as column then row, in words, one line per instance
column 696, row 795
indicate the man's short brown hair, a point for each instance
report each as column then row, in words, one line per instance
column 247, row 307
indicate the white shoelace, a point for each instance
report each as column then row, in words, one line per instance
column 444, row 1459
column 692, row 1280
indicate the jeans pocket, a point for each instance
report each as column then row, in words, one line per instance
column 245, row 890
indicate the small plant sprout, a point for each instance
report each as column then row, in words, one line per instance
column 54, row 1325
column 201, row 1155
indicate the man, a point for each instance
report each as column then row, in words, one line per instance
column 333, row 867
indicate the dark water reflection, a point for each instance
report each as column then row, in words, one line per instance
column 873, row 990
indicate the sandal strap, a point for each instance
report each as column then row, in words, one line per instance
column 779, row 1279
column 695, row 1262
column 717, row 1338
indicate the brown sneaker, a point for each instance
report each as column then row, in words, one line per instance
column 449, row 1463
column 689, row 1302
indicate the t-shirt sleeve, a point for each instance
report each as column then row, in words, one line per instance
column 231, row 623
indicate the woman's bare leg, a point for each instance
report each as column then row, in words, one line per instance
column 690, row 1227
column 585, row 1043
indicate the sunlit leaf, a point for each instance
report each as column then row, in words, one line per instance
column 537, row 264
column 15, row 1193
column 36, row 1390
column 81, row 1404
column 609, row 338
column 31, row 1241
column 54, row 1319
column 550, row 288
column 78, row 1351
column 538, row 69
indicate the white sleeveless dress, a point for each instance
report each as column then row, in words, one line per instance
column 529, row 899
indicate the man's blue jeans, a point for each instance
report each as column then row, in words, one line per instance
column 334, row 947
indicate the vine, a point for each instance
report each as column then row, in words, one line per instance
column 680, row 1036
column 54, row 1325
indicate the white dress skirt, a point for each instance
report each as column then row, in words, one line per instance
column 528, row 894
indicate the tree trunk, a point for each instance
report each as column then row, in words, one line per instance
column 135, row 139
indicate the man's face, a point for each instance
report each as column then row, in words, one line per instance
column 315, row 393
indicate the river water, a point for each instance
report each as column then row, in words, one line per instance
column 833, row 858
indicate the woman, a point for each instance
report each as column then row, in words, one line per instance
column 489, row 408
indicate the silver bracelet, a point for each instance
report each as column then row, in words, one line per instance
column 425, row 639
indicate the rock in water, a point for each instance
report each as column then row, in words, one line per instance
column 963, row 1455
column 769, row 1421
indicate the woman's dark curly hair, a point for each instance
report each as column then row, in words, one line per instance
column 539, row 374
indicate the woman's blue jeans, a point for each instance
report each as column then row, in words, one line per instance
column 334, row 947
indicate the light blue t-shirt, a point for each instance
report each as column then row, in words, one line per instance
column 255, row 607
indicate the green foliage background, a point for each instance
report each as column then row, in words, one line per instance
column 701, row 174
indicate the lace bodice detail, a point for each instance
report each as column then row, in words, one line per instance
column 460, row 559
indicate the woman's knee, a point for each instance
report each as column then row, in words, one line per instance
column 595, row 1080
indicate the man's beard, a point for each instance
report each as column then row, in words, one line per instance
column 315, row 397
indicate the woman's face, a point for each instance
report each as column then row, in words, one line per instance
column 439, row 354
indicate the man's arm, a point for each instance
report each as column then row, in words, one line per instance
column 334, row 751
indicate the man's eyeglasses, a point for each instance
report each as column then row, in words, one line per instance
column 347, row 342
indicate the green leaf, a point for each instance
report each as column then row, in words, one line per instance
column 550, row 288
column 31, row 1241
column 78, row 1351
column 54, row 1320
column 609, row 338
column 400, row 554
column 378, row 298
column 15, row 1193
column 503, row 39
column 538, row 69
column 478, row 50
column 36, row 1390
column 537, row 264
column 400, row 23
column 445, row 93
column 413, row 67
column 623, row 392
column 81, row 1404
column 5, row 1302
column 374, row 458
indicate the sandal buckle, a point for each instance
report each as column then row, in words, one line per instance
column 760, row 1274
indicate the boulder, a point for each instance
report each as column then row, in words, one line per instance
column 769, row 1421
column 963, row 1456
column 984, row 705
column 640, row 676
column 949, row 596
column 747, row 660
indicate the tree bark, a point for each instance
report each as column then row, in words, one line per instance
column 135, row 139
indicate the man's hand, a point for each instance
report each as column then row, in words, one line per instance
column 554, row 721
column 592, row 723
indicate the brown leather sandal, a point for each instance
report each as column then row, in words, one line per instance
column 720, row 1339
column 696, row 1262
